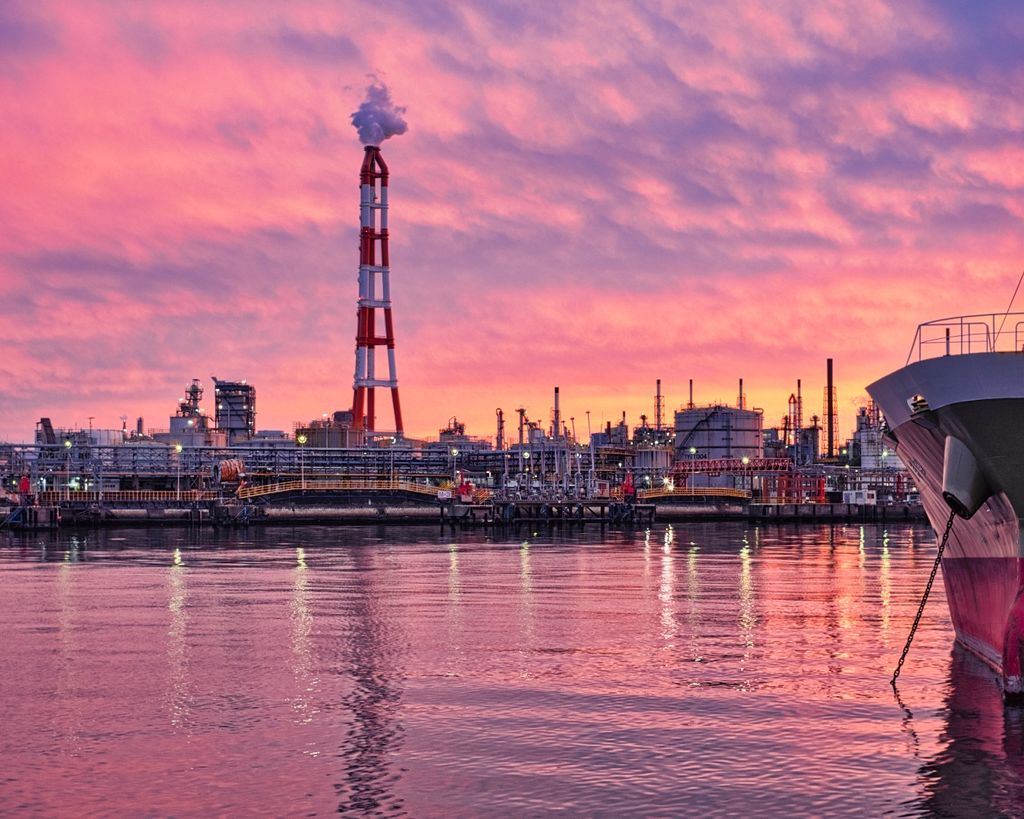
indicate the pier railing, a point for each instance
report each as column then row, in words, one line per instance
column 56, row 497
column 962, row 335
column 480, row 495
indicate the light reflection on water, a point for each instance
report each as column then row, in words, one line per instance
column 699, row 669
column 177, row 647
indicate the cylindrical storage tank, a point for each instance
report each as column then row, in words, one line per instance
column 719, row 431
column 653, row 459
column 107, row 437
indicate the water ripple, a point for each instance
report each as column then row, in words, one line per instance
column 708, row 669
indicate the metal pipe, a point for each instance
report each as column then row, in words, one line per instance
column 522, row 420
column 590, row 436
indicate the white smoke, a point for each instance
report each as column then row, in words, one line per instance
column 378, row 117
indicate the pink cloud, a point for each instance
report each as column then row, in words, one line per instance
column 587, row 197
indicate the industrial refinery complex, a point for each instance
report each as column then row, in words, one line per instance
column 219, row 466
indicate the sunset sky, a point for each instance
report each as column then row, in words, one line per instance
column 593, row 195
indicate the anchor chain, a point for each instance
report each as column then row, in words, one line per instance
column 924, row 599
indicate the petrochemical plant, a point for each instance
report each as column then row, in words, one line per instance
column 703, row 453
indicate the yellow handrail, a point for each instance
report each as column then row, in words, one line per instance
column 349, row 485
column 694, row 492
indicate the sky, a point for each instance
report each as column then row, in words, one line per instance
column 593, row 195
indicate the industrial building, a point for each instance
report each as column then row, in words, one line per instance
column 235, row 409
column 333, row 431
column 867, row 448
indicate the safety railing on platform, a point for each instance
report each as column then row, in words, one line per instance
column 693, row 492
column 282, row 487
column 56, row 497
column 963, row 335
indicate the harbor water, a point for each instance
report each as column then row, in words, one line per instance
column 704, row 669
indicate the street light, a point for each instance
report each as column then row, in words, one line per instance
column 455, row 461
column 67, row 470
column 301, row 440
column 177, row 450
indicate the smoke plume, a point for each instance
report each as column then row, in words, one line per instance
column 378, row 117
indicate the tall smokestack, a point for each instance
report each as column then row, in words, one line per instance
column 659, row 407
column 377, row 119
column 374, row 267
column 830, row 410
column 690, row 405
column 798, row 422
column 558, row 416
column 800, row 407
column 739, row 402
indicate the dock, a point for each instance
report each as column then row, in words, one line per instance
column 824, row 512
column 400, row 501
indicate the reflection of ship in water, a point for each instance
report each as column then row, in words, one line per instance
column 374, row 733
column 980, row 769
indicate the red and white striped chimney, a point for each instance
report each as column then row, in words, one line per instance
column 374, row 295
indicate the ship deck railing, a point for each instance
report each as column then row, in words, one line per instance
column 964, row 335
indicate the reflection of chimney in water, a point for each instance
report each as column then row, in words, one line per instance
column 372, row 647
